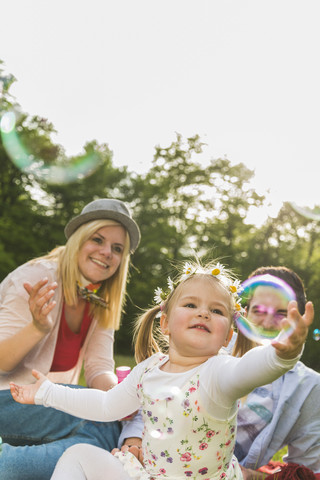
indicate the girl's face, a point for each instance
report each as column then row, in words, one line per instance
column 198, row 323
column 100, row 256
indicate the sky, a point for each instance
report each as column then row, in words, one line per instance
column 243, row 74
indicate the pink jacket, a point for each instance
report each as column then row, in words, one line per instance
column 96, row 353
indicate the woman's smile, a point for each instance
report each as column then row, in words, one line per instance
column 100, row 256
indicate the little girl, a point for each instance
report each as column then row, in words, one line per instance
column 189, row 395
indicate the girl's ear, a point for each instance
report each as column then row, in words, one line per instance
column 228, row 337
column 164, row 324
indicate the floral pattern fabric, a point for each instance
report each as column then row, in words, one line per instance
column 181, row 440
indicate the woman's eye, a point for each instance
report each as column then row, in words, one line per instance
column 117, row 249
column 97, row 240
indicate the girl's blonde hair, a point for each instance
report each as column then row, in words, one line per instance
column 148, row 337
column 112, row 290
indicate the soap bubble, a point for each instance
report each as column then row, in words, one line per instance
column 266, row 299
column 310, row 213
column 58, row 173
column 316, row 334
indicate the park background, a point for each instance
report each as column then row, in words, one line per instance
column 202, row 115
column 181, row 205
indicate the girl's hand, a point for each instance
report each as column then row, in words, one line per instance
column 41, row 303
column 26, row 393
column 291, row 347
column 136, row 450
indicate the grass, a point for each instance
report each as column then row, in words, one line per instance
column 126, row 360
column 278, row 456
column 120, row 360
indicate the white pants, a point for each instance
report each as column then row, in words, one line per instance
column 87, row 462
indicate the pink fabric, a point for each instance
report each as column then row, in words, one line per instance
column 97, row 350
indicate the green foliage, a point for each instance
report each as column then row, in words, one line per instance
column 181, row 206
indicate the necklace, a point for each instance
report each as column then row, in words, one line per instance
column 89, row 294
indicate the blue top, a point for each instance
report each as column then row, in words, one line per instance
column 295, row 422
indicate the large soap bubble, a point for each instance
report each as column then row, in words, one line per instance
column 307, row 212
column 57, row 173
column 266, row 298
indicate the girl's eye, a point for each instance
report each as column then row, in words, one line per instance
column 217, row 311
column 190, row 305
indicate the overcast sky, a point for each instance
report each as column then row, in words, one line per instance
column 243, row 74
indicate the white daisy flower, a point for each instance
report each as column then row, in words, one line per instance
column 218, row 270
column 235, row 287
column 170, row 284
column 158, row 295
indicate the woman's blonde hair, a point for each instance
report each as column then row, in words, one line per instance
column 112, row 290
column 148, row 337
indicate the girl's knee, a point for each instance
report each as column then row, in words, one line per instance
column 77, row 450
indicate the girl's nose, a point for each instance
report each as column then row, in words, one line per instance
column 203, row 312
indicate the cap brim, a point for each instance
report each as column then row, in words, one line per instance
column 129, row 224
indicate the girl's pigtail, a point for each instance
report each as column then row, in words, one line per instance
column 145, row 342
column 242, row 345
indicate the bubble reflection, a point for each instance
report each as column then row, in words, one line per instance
column 58, row 173
column 266, row 298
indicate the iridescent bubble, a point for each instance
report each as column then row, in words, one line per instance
column 310, row 213
column 266, row 298
column 59, row 173
column 316, row 334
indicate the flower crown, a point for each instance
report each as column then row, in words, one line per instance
column 218, row 270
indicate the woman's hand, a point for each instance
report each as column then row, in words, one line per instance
column 41, row 303
column 26, row 393
column 291, row 347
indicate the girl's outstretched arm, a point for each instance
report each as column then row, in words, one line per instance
column 27, row 393
column 264, row 364
column 87, row 403
column 291, row 347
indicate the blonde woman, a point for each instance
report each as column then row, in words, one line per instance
column 59, row 312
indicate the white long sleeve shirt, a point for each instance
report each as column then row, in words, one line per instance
column 223, row 380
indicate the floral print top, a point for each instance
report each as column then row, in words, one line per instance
column 180, row 439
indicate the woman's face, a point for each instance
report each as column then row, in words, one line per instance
column 100, row 256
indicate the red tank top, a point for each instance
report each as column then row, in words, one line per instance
column 69, row 343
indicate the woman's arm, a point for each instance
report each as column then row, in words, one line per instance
column 99, row 360
column 28, row 319
column 15, row 348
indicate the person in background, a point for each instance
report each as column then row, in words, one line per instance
column 285, row 412
column 57, row 313
column 189, row 395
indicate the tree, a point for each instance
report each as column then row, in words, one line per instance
column 184, row 208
